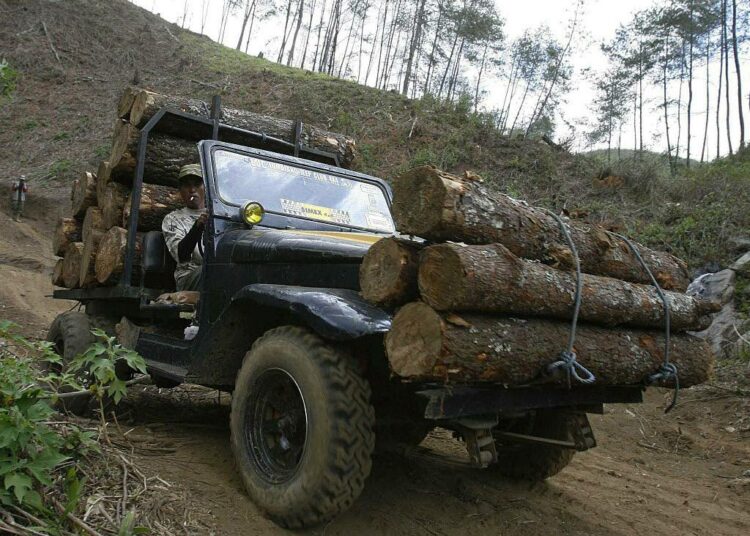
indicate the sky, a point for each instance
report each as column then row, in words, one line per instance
column 576, row 115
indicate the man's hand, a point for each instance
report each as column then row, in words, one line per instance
column 200, row 223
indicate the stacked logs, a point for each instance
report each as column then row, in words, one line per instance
column 489, row 296
column 92, row 239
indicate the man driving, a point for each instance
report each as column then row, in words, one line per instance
column 183, row 228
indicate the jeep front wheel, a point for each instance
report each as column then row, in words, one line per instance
column 301, row 427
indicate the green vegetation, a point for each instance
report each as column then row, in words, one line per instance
column 41, row 455
column 8, row 79
column 60, row 168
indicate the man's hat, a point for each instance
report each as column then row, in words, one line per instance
column 190, row 170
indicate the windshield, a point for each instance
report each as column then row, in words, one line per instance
column 302, row 193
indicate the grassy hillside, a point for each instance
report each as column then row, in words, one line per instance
column 58, row 119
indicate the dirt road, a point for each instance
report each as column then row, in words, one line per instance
column 684, row 473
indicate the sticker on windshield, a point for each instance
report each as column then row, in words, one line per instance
column 377, row 220
column 315, row 212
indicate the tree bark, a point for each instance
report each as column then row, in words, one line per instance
column 110, row 256
column 87, row 276
column 146, row 104
column 439, row 206
column 112, row 204
column 71, row 268
column 156, row 202
column 388, row 273
column 425, row 345
column 68, row 230
column 57, row 272
column 165, row 155
column 84, row 195
column 490, row 279
column 92, row 223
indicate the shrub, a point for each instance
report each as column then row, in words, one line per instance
column 39, row 452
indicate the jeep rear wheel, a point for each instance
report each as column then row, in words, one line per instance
column 70, row 334
column 529, row 461
column 301, row 427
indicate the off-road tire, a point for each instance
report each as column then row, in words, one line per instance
column 71, row 335
column 339, row 440
column 537, row 462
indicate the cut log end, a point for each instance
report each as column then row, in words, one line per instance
column 71, row 268
column 68, row 230
column 388, row 274
column 413, row 344
column 419, row 198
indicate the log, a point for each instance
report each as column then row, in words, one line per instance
column 57, row 273
column 102, row 178
column 68, row 230
column 490, row 279
column 93, row 222
column 84, row 195
column 112, row 203
column 156, row 202
column 439, row 206
column 110, row 256
column 165, row 156
column 425, row 345
column 126, row 102
column 147, row 103
column 87, row 277
column 71, row 268
column 388, row 273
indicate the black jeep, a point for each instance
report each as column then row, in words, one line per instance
column 281, row 325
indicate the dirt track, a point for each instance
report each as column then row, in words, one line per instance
column 651, row 473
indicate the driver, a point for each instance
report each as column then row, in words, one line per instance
column 183, row 228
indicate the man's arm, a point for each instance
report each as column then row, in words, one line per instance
column 180, row 239
column 186, row 246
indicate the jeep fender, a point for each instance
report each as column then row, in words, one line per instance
column 334, row 314
column 337, row 314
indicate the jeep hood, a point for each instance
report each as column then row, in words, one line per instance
column 275, row 245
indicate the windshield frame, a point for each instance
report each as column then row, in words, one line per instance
column 226, row 209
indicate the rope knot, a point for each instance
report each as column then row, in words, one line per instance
column 667, row 371
column 571, row 367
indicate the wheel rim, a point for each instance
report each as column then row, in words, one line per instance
column 276, row 426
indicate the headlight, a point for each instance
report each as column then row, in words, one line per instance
column 252, row 213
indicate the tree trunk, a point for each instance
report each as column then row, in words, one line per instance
column 718, row 94
column 110, row 257
column 71, row 268
column 112, row 203
column 57, row 272
column 87, row 276
column 490, row 279
column 726, row 73
column 146, row 104
column 165, row 155
column 417, row 26
column 708, row 100
column 68, row 230
column 156, row 202
column 439, row 206
column 388, row 274
column 92, row 223
column 84, row 195
column 424, row 345
column 738, row 72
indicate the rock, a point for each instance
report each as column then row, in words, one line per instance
column 721, row 335
column 717, row 286
column 742, row 265
column 740, row 243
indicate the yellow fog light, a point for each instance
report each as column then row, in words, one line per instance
column 252, row 213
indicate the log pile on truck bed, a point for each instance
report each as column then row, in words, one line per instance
column 92, row 240
column 489, row 295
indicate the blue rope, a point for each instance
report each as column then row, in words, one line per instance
column 667, row 371
column 567, row 361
